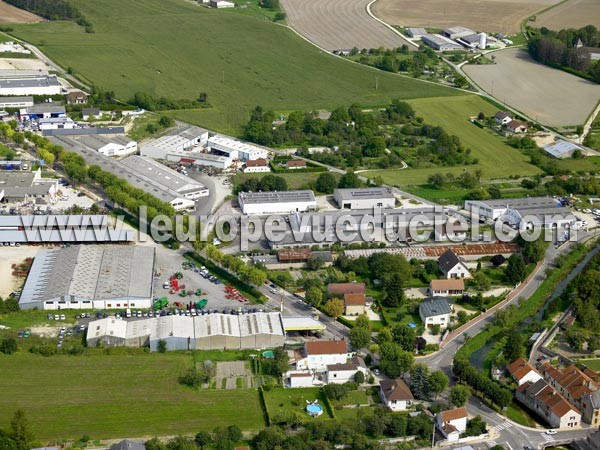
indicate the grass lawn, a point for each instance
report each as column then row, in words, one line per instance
column 115, row 396
column 353, row 398
column 294, row 180
column 593, row 364
column 517, row 414
column 179, row 49
column 496, row 158
column 281, row 402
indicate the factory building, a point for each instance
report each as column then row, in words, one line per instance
column 90, row 277
column 15, row 102
column 56, row 123
column 91, row 131
column 30, row 85
column 440, row 43
column 81, row 228
column 282, row 202
column 115, row 146
column 43, row 111
column 456, row 32
column 177, row 140
column 205, row 332
column 236, row 149
column 27, row 187
column 364, row 198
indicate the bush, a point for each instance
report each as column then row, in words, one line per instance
column 8, row 346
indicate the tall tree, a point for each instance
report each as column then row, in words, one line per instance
column 419, row 376
column 437, row 382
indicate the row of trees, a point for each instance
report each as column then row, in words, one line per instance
column 246, row 273
column 491, row 390
column 151, row 103
column 54, row 10
column 221, row 438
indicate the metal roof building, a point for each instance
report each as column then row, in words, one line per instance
column 84, row 131
column 561, row 149
column 440, row 43
column 277, row 202
column 364, row 198
column 177, row 140
column 91, row 276
column 15, row 102
column 30, row 85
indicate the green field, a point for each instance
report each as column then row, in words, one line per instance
column 294, row 180
column 496, row 158
column 107, row 396
column 281, row 402
column 179, row 49
column 593, row 364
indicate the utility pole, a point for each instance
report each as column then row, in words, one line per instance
column 376, row 82
column 433, row 435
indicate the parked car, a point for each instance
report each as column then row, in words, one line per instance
column 551, row 431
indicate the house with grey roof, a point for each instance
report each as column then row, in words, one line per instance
column 435, row 312
column 452, row 266
column 128, row 445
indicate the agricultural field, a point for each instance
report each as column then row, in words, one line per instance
column 496, row 158
column 551, row 96
column 339, row 24
column 491, row 16
column 9, row 15
column 69, row 396
column 570, row 14
column 178, row 49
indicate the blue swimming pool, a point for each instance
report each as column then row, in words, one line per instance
column 314, row 410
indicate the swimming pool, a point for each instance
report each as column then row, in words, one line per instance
column 314, row 410
column 268, row 354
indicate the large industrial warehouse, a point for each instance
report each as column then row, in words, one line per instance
column 206, row 332
column 30, row 85
column 90, row 277
column 364, row 198
column 283, row 202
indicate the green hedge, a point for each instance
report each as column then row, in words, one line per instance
column 327, row 404
column 263, row 405
column 343, row 321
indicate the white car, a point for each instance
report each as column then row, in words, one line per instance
column 551, row 431
column 273, row 291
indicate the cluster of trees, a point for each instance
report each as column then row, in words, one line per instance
column 360, row 334
column 195, row 376
column 391, row 61
column 267, row 183
column 54, row 10
column 475, row 427
column 246, row 273
column 8, row 346
column 9, row 305
column 558, row 49
column 473, row 377
column 322, row 435
column 18, row 436
column 152, row 103
column 221, row 438
column 466, row 180
column 424, row 384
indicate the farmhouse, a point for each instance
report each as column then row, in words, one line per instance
column 26, row 187
column 42, row 111
column 395, row 394
column 15, row 102
column 452, row 423
column 435, row 312
column 256, row 165
column 115, row 146
column 502, row 118
column 277, row 202
column 515, row 126
column 549, row 404
column 354, row 304
column 562, row 149
column 90, row 113
column 456, row 32
column 440, row 43
column 30, row 85
column 90, row 277
column 205, row 332
column 77, row 98
column 320, row 354
column 452, row 266
column 364, row 198
column 445, row 287
column 222, row 145
column 415, row 32
column 295, row 164
column 522, row 372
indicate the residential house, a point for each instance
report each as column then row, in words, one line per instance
column 452, row 423
column 523, row 372
column 77, row 98
column 454, row 286
column 341, row 373
column 256, row 165
column 549, row 404
column 579, row 389
column 354, row 304
column 502, row 118
column 300, row 379
column 435, row 312
column 452, row 266
column 90, row 113
column 128, row 445
column 295, row 164
column 340, row 289
column 515, row 126
column 320, row 354
column 395, row 394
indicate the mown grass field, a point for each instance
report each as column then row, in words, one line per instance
column 294, row 180
column 593, row 364
column 179, row 49
column 107, row 396
column 496, row 158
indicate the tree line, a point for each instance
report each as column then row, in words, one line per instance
column 54, row 10
column 559, row 49
column 151, row 103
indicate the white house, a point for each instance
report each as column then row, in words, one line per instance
column 502, row 118
column 435, row 312
column 515, row 126
column 452, row 266
column 257, row 165
column 523, row 372
column 320, row 354
column 344, row 372
column 549, row 404
column 445, row 287
column 395, row 394
column 452, row 423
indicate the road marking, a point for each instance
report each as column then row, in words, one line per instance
column 503, row 426
column 547, row 438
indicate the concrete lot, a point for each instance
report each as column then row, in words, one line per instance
column 8, row 257
column 28, row 64
column 551, row 96
column 339, row 24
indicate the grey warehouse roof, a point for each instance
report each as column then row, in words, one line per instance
column 25, row 82
column 41, row 108
column 524, row 202
column 93, row 272
column 16, row 99
column 277, row 197
column 84, row 131
column 363, row 193
column 434, row 307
